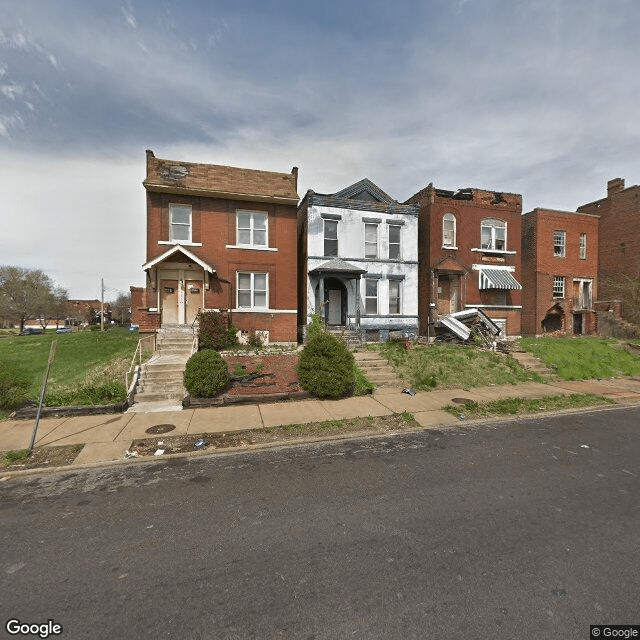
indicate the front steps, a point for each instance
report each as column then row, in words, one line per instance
column 531, row 363
column 352, row 338
column 161, row 378
column 377, row 369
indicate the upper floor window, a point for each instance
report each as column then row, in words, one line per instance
column 449, row 230
column 252, row 291
column 583, row 246
column 330, row 237
column 493, row 235
column 394, row 241
column 370, row 240
column 251, row 229
column 180, row 223
column 559, row 243
column 394, row 296
column 558, row 286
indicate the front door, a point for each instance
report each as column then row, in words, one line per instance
column 169, row 302
column 193, row 298
column 335, row 306
column 448, row 294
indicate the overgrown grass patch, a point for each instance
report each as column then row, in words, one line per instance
column 584, row 358
column 88, row 368
column 363, row 385
column 521, row 406
column 451, row 366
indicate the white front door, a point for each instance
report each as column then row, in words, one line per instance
column 335, row 306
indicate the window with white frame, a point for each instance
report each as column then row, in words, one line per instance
column 559, row 243
column 371, row 296
column 583, row 246
column 251, row 229
column 493, row 235
column 395, row 290
column 448, row 230
column 395, row 252
column 252, row 291
column 330, row 237
column 370, row 240
column 558, row 286
column 180, row 223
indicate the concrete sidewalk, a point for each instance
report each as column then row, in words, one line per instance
column 106, row 437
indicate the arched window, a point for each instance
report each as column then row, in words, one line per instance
column 493, row 234
column 448, row 230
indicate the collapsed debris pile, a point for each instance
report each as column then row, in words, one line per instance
column 462, row 325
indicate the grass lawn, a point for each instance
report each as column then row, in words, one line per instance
column 88, row 368
column 583, row 358
column 522, row 406
column 451, row 366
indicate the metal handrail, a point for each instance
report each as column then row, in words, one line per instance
column 137, row 353
column 194, row 342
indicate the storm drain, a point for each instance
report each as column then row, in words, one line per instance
column 157, row 429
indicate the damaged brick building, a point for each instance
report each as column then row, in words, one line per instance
column 469, row 255
column 559, row 272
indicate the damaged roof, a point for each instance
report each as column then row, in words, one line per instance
column 172, row 176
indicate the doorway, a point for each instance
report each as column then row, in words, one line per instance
column 169, row 302
column 335, row 312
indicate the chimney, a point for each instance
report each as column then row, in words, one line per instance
column 294, row 171
column 150, row 159
column 615, row 186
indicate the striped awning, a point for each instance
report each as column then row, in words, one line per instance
column 497, row 279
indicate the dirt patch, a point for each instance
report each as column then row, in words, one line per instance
column 40, row 457
column 265, row 374
column 372, row 425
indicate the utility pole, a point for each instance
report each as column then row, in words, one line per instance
column 102, row 305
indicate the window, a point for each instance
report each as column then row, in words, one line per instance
column 180, row 222
column 559, row 243
column 394, row 296
column 448, row 230
column 583, row 246
column 493, row 235
column 370, row 240
column 252, row 291
column 558, row 286
column 371, row 296
column 251, row 228
column 330, row 237
column 394, row 241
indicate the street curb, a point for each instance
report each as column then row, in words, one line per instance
column 354, row 435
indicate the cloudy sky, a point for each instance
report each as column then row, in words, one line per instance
column 538, row 97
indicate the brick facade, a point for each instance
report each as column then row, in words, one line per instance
column 559, row 274
column 619, row 237
column 452, row 260
column 202, row 272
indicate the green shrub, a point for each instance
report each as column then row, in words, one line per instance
column 326, row 366
column 215, row 331
column 316, row 327
column 206, row 374
column 14, row 385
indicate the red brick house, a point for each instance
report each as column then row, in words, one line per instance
column 469, row 255
column 619, row 236
column 559, row 272
column 219, row 237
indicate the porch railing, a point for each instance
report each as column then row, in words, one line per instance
column 138, row 355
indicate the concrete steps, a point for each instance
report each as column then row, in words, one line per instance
column 531, row 363
column 352, row 338
column 377, row 369
column 161, row 379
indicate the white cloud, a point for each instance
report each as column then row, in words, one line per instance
column 11, row 91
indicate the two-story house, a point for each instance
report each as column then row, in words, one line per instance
column 559, row 269
column 469, row 253
column 358, row 262
column 219, row 237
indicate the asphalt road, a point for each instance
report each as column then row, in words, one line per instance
column 528, row 529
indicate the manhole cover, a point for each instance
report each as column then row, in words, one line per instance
column 462, row 400
column 161, row 428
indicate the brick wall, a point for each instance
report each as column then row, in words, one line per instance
column 540, row 266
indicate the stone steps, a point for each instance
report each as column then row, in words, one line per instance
column 377, row 369
column 531, row 363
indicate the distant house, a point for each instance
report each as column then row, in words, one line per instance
column 81, row 311
column 618, row 240
column 469, row 253
column 559, row 272
column 358, row 262
column 219, row 237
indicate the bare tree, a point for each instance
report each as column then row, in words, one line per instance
column 121, row 308
column 24, row 293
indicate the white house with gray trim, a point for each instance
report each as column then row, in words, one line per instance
column 358, row 262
